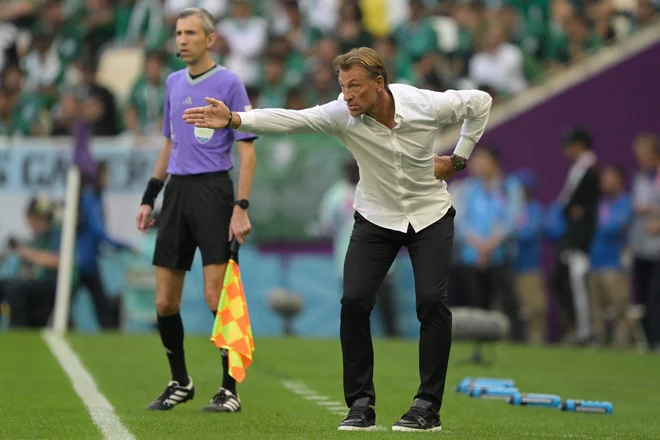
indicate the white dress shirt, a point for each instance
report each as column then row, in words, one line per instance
column 397, row 184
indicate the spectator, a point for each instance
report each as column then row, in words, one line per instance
column 217, row 8
column 145, row 111
column 498, row 64
column 645, row 232
column 100, row 102
column 530, row 285
column 488, row 208
column 65, row 113
column 25, row 107
column 579, row 200
column 273, row 87
column 295, row 99
column 349, row 31
column 416, row 37
column 608, row 282
column 325, row 87
column 246, row 36
column 31, row 296
column 91, row 234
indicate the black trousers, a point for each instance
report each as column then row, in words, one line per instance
column 647, row 285
column 486, row 286
column 94, row 284
column 30, row 301
column 370, row 254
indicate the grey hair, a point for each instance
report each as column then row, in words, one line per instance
column 207, row 18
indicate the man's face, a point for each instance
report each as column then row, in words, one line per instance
column 323, row 78
column 153, row 68
column 13, row 80
column 610, row 181
column 481, row 165
column 360, row 91
column 572, row 151
column 38, row 225
column 646, row 155
column 274, row 71
column 191, row 40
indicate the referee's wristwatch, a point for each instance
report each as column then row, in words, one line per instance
column 243, row 203
column 458, row 162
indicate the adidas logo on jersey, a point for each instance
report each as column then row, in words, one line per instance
column 188, row 101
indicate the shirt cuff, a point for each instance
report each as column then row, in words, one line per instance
column 247, row 121
column 464, row 148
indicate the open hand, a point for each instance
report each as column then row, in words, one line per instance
column 215, row 115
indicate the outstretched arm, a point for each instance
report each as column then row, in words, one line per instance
column 320, row 119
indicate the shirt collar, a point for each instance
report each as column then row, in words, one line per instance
column 399, row 114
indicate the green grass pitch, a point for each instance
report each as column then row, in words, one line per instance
column 37, row 400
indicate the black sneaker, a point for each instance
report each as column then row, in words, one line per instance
column 173, row 395
column 361, row 417
column 224, row 401
column 420, row 417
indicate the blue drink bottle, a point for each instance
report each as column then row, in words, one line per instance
column 531, row 399
column 470, row 382
column 500, row 393
column 587, row 406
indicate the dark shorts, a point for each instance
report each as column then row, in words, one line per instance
column 196, row 213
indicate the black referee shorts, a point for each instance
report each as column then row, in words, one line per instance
column 196, row 212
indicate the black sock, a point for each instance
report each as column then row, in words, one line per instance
column 171, row 334
column 228, row 382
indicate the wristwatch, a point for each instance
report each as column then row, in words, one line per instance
column 459, row 162
column 243, row 203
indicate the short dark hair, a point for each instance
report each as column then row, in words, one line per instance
column 491, row 151
column 579, row 135
column 618, row 170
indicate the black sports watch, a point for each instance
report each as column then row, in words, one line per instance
column 458, row 162
column 243, row 203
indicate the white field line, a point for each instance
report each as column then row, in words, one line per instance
column 337, row 408
column 102, row 412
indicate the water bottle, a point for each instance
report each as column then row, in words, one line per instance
column 469, row 382
column 587, row 406
column 534, row 399
column 500, row 393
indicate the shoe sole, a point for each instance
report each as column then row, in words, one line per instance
column 406, row 429
column 358, row 428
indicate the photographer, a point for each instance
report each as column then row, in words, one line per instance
column 31, row 296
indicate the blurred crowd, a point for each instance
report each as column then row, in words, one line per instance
column 604, row 228
column 50, row 50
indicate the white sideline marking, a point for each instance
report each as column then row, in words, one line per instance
column 337, row 408
column 102, row 412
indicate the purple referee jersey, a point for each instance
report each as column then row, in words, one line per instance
column 202, row 150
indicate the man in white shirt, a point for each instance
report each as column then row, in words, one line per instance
column 401, row 200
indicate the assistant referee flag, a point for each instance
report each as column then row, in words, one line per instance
column 231, row 329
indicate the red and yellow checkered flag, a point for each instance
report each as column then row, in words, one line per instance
column 231, row 329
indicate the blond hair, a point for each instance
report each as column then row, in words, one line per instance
column 362, row 56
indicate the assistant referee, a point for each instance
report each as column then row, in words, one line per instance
column 198, row 206
column 401, row 200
